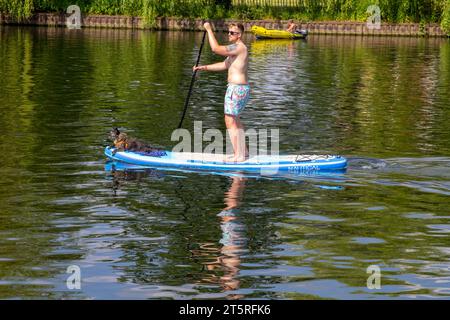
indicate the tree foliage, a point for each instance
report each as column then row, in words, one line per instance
column 354, row 10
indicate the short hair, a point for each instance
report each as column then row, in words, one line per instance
column 240, row 26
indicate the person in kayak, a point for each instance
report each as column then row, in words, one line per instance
column 238, row 90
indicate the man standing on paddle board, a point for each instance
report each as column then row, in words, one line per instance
column 238, row 90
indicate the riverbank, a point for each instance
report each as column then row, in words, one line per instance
column 184, row 24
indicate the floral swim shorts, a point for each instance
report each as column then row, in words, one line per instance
column 236, row 98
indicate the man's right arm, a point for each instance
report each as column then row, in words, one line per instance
column 230, row 50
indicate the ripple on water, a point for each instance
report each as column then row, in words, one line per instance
column 314, row 217
column 278, row 271
column 439, row 228
column 106, row 210
column 377, row 208
column 367, row 240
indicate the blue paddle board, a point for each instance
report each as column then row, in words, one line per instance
column 265, row 164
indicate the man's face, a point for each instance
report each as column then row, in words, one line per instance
column 234, row 34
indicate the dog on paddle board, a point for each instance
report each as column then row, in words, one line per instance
column 122, row 142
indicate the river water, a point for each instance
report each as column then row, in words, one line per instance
column 152, row 234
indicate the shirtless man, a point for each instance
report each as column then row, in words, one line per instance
column 292, row 27
column 238, row 91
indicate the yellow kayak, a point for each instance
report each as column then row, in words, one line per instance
column 263, row 33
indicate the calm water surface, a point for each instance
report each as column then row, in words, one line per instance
column 153, row 234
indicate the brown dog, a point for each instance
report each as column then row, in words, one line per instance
column 124, row 143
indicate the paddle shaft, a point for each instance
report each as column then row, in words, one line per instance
column 192, row 81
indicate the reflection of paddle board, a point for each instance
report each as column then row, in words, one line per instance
column 268, row 164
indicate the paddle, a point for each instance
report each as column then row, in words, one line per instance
column 192, row 81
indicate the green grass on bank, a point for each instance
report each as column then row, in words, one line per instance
column 422, row 11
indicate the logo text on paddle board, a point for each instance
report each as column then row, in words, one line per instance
column 374, row 21
column 74, row 20
column 258, row 144
column 374, row 280
column 304, row 170
column 73, row 282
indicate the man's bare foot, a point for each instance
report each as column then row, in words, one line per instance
column 235, row 159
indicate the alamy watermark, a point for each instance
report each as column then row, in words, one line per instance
column 261, row 142
column 374, row 280
column 73, row 282
column 374, row 21
column 74, row 20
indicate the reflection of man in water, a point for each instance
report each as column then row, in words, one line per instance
column 232, row 238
